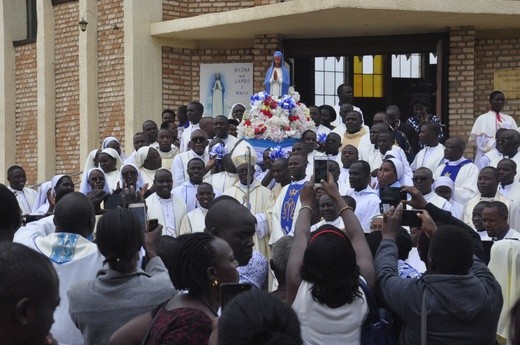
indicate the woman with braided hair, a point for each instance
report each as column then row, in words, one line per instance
column 100, row 306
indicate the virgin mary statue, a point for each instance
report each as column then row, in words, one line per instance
column 277, row 78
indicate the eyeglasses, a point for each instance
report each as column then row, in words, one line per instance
column 198, row 139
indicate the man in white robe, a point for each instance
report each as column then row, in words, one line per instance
column 194, row 111
column 221, row 128
column 367, row 199
column 349, row 155
column 432, row 155
column 486, row 125
column 252, row 194
column 507, row 145
column 168, row 209
column 187, row 191
column 487, row 185
column 194, row 221
column 199, row 142
column 25, row 196
column 509, row 187
column 459, row 169
column 223, row 180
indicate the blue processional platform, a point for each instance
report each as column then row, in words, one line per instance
column 260, row 145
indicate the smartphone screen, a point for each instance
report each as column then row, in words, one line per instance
column 320, row 169
column 139, row 210
column 410, row 218
column 228, row 291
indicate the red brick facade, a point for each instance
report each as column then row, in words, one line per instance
column 26, row 108
column 67, row 87
column 111, row 69
column 174, row 9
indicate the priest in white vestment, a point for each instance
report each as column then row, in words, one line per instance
column 165, row 207
column 194, row 221
column 252, row 194
column 25, row 196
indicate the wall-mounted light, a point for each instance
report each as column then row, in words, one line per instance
column 83, row 22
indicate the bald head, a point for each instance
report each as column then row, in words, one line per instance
column 74, row 213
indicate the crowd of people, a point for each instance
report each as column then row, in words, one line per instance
column 141, row 252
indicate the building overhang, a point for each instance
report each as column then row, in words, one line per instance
column 336, row 18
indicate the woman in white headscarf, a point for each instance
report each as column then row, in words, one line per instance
column 113, row 143
column 148, row 160
column 94, row 182
column 390, row 173
column 60, row 185
column 110, row 163
column 41, row 197
column 237, row 112
column 131, row 176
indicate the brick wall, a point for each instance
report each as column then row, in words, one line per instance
column 173, row 9
column 177, row 77
column 490, row 55
column 461, row 82
column 26, row 108
column 111, row 76
column 181, row 71
column 67, row 87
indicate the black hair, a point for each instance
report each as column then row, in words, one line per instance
column 13, row 168
column 73, row 213
column 189, row 262
column 341, row 87
column 336, row 134
column 494, row 93
column 119, row 237
column 168, row 111
column 233, row 122
column 165, row 124
column 434, row 127
column 357, row 113
column 280, row 253
column 502, row 210
column 508, row 161
column 10, row 214
column 216, row 208
column 307, row 131
column 329, row 264
column 24, row 273
column 350, row 201
column 182, row 115
column 459, row 142
column 167, row 244
column 451, row 251
column 428, row 171
column 273, row 322
column 495, row 171
column 196, row 159
column 364, row 165
column 203, row 184
column 403, row 242
column 198, row 106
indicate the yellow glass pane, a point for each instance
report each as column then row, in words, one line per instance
column 378, row 64
column 378, row 86
column 368, row 90
column 358, row 85
column 358, row 65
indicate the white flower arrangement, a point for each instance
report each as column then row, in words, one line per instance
column 275, row 120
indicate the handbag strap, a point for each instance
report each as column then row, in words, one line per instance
column 372, row 304
column 423, row 319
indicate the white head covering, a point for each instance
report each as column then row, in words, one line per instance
column 230, row 116
column 113, row 153
column 41, row 197
column 141, row 155
column 139, row 183
column 239, row 155
column 443, row 181
column 89, row 163
column 108, row 140
column 42, row 194
column 399, row 168
column 85, row 188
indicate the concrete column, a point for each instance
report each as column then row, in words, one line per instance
column 143, row 66
column 12, row 27
column 46, row 88
column 88, row 81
